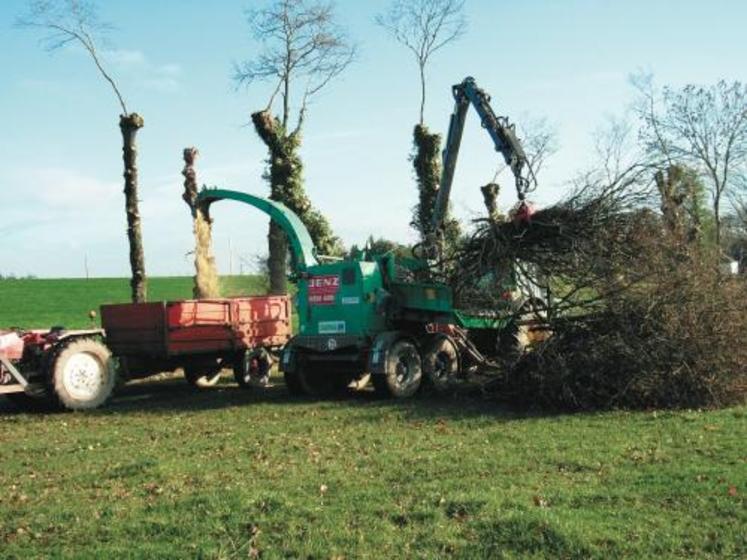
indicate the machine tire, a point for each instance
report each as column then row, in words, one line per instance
column 252, row 368
column 201, row 377
column 83, row 374
column 403, row 373
column 441, row 365
column 292, row 383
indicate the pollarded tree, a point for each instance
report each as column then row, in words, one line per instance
column 425, row 27
column 303, row 50
column 704, row 127
column 76, row 22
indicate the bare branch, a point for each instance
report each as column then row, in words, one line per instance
column 424, row 27
column 704, row 127
column 301, row 44
column 69, row 21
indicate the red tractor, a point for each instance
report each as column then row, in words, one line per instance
column 41, row 369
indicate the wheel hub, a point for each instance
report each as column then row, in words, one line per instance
column 83, row 376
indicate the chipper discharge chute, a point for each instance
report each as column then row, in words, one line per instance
column 368, row 314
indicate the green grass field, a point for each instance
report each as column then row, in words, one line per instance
column 44, row 303
column 167, row 472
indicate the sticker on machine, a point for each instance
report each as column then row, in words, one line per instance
column 323, row 289
column 332, row 327
column 351, row 300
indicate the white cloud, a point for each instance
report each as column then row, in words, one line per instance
column 136, row 67
column 66, row 190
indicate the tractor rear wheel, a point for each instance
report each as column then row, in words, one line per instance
column 83, row 374
column 403, row 373
column 441, row 363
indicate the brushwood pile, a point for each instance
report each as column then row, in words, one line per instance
column 639, row 317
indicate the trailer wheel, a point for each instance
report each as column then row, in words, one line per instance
column 441, row 363
column 83, row 374
column 403, row 371
column 203, row 376
column 252, row 368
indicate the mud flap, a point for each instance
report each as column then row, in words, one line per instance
column 379, row 351
column 289, row 359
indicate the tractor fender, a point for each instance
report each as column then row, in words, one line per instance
column 383, row 342
column 88, row 333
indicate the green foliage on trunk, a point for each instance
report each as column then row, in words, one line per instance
column 426, row 160
column 285, row 176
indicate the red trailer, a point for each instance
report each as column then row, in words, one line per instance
column 200, row 336
column 79, row 369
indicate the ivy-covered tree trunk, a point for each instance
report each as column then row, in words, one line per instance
column 490, row 197
column 681, row 202
column 426, row 161
column 285, row 175
column 129, row 125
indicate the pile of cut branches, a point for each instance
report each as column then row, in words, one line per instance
column 594, row 234
column 677, row 340
column 641, row 317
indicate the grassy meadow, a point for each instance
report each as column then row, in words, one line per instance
column 42, row 303
column 168, row 472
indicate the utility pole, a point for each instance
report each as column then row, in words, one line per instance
column 230, row 257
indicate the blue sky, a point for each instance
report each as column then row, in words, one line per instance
column 60, row 153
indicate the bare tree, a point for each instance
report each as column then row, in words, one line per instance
column 701, row 126
column 424, row 27
column 539, row 137
column 540, row 142
column 303, row 50
column 76, row 22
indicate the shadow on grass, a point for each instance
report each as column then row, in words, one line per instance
column 158, row 396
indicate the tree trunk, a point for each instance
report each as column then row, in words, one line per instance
column 422, row 94
column 276, row 264
column 427, row 165
column 129, row 125
column 717, row 218
column 490, row 197
column 206, row 280
column 285, row 175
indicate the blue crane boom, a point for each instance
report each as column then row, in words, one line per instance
column 502, row 133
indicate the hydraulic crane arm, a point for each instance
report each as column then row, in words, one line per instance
column 501, row 131
column 303, row 254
